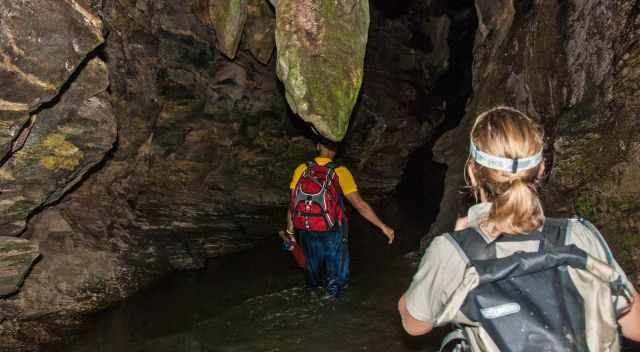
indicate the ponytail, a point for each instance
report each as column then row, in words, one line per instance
column 516, row 211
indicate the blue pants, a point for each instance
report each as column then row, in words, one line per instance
column 327, row 259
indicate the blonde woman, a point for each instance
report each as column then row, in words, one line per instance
column 509, row 278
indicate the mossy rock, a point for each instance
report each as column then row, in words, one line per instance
column 17, row 256
column 321, row 47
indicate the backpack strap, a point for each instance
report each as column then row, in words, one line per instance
column 594, row 231
column 474, row 245
column 455, row 341
column 332, row 165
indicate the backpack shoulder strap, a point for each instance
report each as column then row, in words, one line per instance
column 332, row 165
column 555, row 232
column 476, row 246
column 598, row 236
column 473, row 244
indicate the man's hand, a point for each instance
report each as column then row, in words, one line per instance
column 389, row 232
column 286, row 236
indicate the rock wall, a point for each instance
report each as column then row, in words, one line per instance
column 570, row 65
column 149, row 150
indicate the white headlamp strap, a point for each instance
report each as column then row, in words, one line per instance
column 503, row 164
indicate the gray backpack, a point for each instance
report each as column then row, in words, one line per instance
column 527, row 301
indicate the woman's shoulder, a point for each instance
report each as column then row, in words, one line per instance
column 587, row 237
column 443, row 248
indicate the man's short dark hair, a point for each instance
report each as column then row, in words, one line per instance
column 329, row 144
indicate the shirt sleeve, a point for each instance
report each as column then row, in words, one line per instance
column 587, row 237
column 347, row 182
column 440, row 273
column 296, row 175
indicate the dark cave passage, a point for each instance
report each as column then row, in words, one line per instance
column 206, row 310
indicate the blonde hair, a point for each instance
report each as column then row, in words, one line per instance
column 509, row 133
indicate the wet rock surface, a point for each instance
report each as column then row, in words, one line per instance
column 64, row 36
column 16, row 258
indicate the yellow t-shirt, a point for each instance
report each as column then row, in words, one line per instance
column 345, row 178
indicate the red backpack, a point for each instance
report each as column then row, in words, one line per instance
column 316, row 202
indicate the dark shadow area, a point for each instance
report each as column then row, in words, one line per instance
column 421, row 188
column 455, row 86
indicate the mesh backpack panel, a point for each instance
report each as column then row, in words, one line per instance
column 316, row 200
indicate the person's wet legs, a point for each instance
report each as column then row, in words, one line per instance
column 314, row 254
column 337, row 263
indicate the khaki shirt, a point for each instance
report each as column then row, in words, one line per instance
column 443, row 281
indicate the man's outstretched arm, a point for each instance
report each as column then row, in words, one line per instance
column 368, row 213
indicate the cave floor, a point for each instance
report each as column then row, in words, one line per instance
column 256, row 301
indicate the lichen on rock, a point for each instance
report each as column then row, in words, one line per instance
column 64, row 143
column 70, row 33
column 321, row 46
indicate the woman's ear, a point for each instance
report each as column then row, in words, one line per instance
column 472, row 176
column 541, row 170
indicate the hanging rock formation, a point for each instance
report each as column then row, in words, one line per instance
column 227, row 18
column 259, row 32
column 581, row 86
column 320, row 47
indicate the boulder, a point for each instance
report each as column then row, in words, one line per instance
column 320, row 56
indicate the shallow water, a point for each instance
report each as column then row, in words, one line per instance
column 256, row 301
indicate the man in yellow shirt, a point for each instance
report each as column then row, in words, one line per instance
column 323, row 234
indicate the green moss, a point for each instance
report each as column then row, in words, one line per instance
column 322, row 71
column 579, row 119
column 170, row 138
column 21, row 207
column 623, row 243
column 584, row 206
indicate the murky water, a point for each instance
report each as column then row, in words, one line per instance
column 256, row 301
